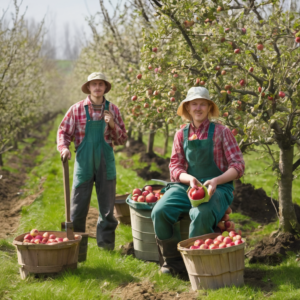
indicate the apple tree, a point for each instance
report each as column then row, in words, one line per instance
column 247, row 54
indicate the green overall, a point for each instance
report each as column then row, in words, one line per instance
column 95, row 164
column 204, row 218
column 88, row 154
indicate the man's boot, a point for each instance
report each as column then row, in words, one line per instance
column 169, row 257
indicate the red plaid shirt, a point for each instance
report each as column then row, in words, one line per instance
column 72, row 127
column 227, row 153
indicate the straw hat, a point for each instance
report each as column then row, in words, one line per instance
column 96, row 76
column 197, row 92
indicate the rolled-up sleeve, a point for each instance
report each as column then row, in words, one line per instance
column 233, row 153
column 65, row 131
column 178, row 163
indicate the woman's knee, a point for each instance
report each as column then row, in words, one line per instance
column 203, row 214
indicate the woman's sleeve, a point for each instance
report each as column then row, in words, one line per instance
column 178, row 163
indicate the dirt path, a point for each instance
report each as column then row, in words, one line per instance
column 11, row 201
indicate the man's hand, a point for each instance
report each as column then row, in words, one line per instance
column 212, row 186
column 65, row 154
column 108, row 118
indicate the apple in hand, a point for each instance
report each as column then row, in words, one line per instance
column 197, row 193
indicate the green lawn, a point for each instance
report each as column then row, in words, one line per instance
column 104, row 271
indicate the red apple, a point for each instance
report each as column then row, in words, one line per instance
column 244, row 30
column 196, row 193
column 156, row 93
column 217, row 242
column 34, row 232
column 150, row 198
column 237, row 242
column 217, row 68
column 52, row 236
column 133, row 98
column 235, row 131
column 251, row 69
column 46, row 235
column 260, row 46
column 208, row 242
column 194, row 247
column 238, row 237
column 44, row 240
column 242, row 82
column 148, row 188
column 222, row 245
column 26, row 241
column 227, row 240
column 228, row 92
column 139, row 76
column 172, row 99
column 230, row 244
column 154, row 49
column 227, row 29
column 37, row 241
column 66, row 239
column 39, row 237
column 220, row 238
column 76, row 236
column 281, row 94
column 28, row 237
column 259, row 89
column 175, row 75
column 135, row 197
column 197, row 81
column 270, row 98
column 52, row 241
column 232, row 233
column 223, row 72
column 145, row 193
column 237, row 51
column 198, row 242
column 137, row 192
column 225, row 114
column 146, row 105
column 203, row 246
column 59, row 239
column 228, row 87
column 202, row 82
column 213, row 246
column 149, row 67
column 141, row 199
column 297, row 39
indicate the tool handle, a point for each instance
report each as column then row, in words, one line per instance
column 66, row 187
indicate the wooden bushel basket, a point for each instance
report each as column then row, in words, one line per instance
column 43, row 259
column 213, row 269
column 121, row 209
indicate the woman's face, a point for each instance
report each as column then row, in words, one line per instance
column 198, row 109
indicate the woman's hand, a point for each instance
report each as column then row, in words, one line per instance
column 212, row 186
column 194, row 182
column 108, row 119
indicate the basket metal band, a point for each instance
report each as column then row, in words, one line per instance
column 212, row 275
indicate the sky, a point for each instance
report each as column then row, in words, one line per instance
column 57, row 14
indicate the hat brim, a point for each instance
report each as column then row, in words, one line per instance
column 85, row 89
column 180, row 107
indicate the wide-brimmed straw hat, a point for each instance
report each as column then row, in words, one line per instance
column 197, row 92
column 96, row 76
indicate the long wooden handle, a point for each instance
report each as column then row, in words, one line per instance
column 66, row 188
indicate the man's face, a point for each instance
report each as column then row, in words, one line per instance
column 198, row 109
column 97, row 87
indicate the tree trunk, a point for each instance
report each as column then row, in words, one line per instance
column 1, row 160
column 140, row 136
column 166, row 139
column 129, row 132
column 287, row 216
column 151, row 142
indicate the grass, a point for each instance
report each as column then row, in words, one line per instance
column 104, row 271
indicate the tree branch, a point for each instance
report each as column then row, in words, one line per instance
column 296, row 164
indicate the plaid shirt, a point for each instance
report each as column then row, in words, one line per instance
column 227, row 153
column 72, row 127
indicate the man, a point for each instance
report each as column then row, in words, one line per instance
column 203, row 152
column 94, row 124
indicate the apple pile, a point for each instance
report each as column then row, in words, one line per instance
column 145, row 196
column 46, row 238
column 224, row 240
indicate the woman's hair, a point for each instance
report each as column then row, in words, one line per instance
column 213, row 111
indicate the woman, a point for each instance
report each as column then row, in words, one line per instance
column 203, row 152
